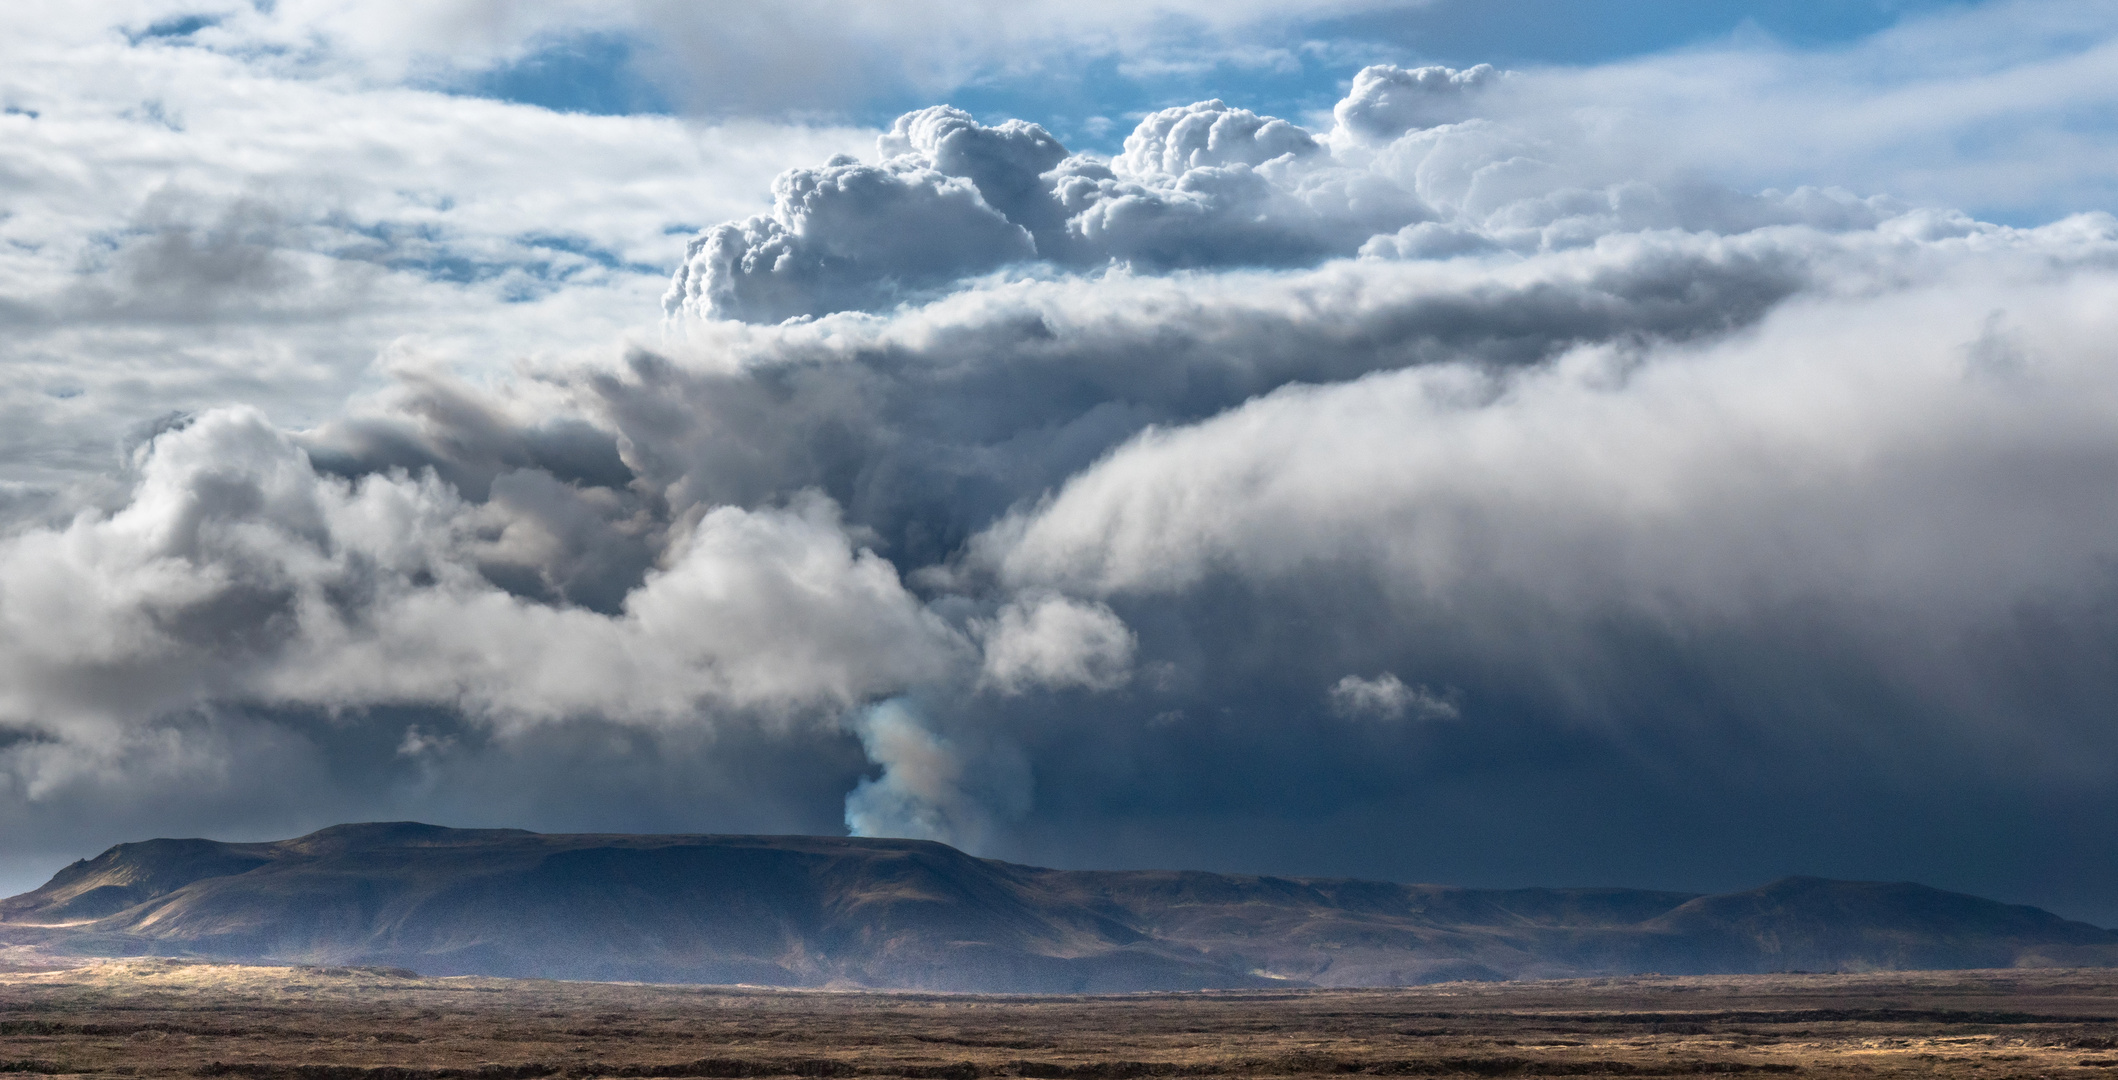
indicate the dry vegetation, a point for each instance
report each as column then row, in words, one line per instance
column 178, row 1018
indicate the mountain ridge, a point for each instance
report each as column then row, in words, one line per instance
column 915, row 914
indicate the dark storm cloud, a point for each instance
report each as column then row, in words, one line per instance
column 1416, row 499
column 926, row 426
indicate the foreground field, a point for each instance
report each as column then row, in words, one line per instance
column 176, row 1018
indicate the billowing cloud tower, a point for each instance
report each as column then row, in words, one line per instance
column 1439, row 484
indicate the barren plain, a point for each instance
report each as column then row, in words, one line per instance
column 163, row 1017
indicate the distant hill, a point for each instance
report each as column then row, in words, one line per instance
column 832, row 911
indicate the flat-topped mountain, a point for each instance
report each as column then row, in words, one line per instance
column 836, row 911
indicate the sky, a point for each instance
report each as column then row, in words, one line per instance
column 1520, row 442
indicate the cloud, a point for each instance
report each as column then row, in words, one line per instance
column 950, row 198
column 1387, row 101
column 1050, row 641
column 921, row 426
column 1386, row 697
column 715, row 58
column 202, row 229
column 1005, row 163
column 1074, row 509
column 1173, row 142
column 238, row 574
column 1205, row 186
column 847, row 236
column 1948, row 110
column 1156, row 514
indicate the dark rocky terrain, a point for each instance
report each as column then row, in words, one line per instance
column 841, row 912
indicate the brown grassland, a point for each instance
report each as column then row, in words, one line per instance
column 181, row 1018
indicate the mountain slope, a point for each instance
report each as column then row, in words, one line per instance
column 821, row 911
column 1806, row 923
